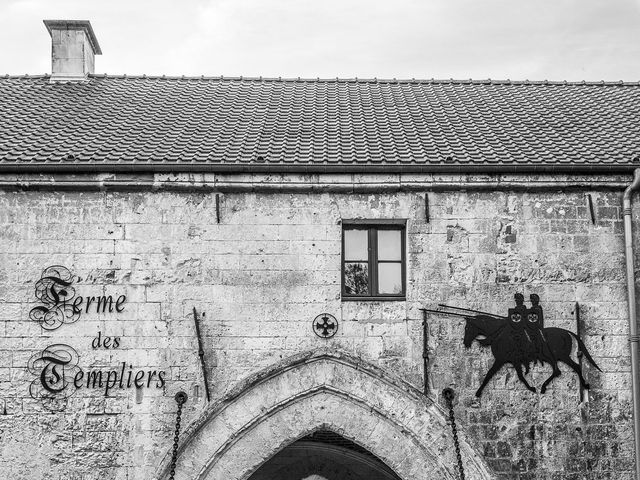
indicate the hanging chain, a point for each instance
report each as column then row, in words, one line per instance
column 449, row 395
column 181, row 399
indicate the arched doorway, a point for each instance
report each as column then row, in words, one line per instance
column 322, row 390
column 324, row 455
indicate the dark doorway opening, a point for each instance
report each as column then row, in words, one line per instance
column 324, row 455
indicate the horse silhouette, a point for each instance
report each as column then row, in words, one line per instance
column 555, row 346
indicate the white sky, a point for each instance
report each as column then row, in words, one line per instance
column 499, row 39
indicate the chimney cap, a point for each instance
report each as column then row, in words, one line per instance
column 75, row 25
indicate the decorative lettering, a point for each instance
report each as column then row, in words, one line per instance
column 121, row 299
column 99, row 304
column 60, row 303
column 55, row 291
column 58, row 376
column 105, row 342
column 56, row 369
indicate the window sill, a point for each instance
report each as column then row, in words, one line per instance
column 374, row 299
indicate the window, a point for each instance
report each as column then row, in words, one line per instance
column 373, row 260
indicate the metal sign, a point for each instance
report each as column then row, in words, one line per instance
column 520, row 339
column 61, row 305
column 56, row 293
column 56, row 368
column 325, row 325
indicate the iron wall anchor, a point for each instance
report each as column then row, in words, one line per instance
column 201, row 355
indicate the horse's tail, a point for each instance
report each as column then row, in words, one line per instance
column 583, row 349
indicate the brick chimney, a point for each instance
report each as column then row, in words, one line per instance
column 73, row 48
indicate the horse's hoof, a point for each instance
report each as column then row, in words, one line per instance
column 532, row 389
column 543, row 389
column 478, row 393
column 587, row 386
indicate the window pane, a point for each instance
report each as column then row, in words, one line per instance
column 389, row 245
column 390, row 278
column 356, row 278
column 356, row 245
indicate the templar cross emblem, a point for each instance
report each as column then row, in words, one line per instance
column 325, row 325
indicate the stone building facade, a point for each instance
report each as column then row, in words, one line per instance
column 130, row 206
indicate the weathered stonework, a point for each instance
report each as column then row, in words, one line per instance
column 259, row 277
column 327, row 389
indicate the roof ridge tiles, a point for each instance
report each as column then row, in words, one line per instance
column 24, row 75
column 449, row 81
column 258, row 79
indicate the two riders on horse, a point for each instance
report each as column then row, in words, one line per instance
column 521, row 339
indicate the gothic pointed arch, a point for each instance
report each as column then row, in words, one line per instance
column 324, row 454
column 322, row 390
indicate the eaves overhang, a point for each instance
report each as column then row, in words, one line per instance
column 119, row 167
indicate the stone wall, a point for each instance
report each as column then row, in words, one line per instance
column 264, row 272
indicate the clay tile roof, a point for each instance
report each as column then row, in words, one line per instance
column 112, row 123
